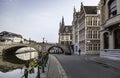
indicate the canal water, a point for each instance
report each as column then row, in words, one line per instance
column 14, row 66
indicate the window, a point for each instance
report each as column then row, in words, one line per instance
column 62, row 37
column 89, row 21
column 89, row 34
column 67, row 38
column 94, row 34
column 94, row 47
column 112, row 5
column 90, row 47
column 62, row 42
column 95, row 21
column 98, row 47
column 98, row 34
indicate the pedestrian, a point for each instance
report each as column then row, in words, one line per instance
column 79, row 51
column 26, row 70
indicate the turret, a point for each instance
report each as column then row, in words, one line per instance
column 74, row 10
column 74, row 13
column 63, row 21
column 60, row 26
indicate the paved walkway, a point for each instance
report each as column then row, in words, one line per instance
column 89, row 66
column 55, row 69
column 107, row 62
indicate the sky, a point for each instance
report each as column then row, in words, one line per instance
column 36, row 19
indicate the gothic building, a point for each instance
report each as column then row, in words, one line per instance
column 110, row 32
column 86, row 30
column 65, row 34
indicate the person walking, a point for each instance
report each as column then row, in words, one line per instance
column 79, row 51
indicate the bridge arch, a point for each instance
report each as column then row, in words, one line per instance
column 55, row 50
column 12, row 50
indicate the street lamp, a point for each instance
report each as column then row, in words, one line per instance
column 43, row 46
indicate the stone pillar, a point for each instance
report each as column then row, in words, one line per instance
column 111, row 39
column 101, row 41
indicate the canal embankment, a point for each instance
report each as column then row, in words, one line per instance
column 1, row 49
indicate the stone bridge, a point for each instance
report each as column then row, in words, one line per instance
column 39, row 47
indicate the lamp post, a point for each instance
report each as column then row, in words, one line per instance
column 43, row 46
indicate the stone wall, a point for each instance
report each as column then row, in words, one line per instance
column 110, row 53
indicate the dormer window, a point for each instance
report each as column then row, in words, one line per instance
column 112, row 8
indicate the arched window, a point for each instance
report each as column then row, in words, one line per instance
column 106, row 40
column 117, row 38
column 112, row 6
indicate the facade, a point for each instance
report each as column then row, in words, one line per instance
column 110, row 32
column 65, row 34
column 86, row 30
column 75, row 33
column 8, row 38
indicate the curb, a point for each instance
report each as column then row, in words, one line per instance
column 56, row 66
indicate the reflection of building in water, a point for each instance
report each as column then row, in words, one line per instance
column 27, row 56
column 26, row 53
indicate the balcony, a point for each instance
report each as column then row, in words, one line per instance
column 112, row 21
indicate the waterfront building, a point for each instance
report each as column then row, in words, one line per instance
column 8, row 38
column 110, row 31
column 65, row 34
column 86, row 30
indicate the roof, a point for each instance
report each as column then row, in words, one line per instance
column 90, row 9
column 66, row 29
column 9, row 34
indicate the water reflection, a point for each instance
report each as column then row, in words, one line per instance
column 27, row 56
column 9, row 70
column 13, row 59
column 13, row 66
column 26, row 53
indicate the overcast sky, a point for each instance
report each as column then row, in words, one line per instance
column 36, row 19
